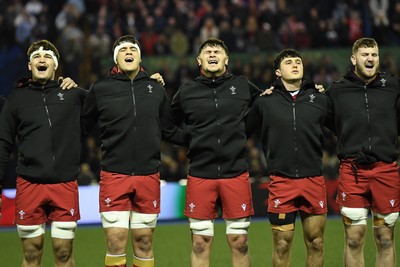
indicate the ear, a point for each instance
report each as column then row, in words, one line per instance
column 226, row 61
column 278, row 73
column 198, row 61
column 353, row 59
column 29, row 66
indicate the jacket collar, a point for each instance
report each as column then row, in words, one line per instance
column 215, row 80
column 306, row 84
column 351, row 76
column 28, row 82
column 117, row 74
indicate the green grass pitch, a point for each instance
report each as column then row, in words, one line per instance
column 172, row 246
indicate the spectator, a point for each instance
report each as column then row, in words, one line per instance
column 208, row 30
column 100, row 46
column 70, row 44
column 395, row 24
column 379, row 13
column 148, row 37
column 24, row 24
column 34, row 7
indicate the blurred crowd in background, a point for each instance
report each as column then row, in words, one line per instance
column 172, row 30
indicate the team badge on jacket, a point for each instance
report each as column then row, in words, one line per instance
column 150, row 89
column 383, row 81
column 61, row 96
column 312, row 97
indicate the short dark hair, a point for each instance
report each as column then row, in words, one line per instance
column 126, row 38
column 213, row 42
column 363, row 42
column 284, row 54
column 46, row 46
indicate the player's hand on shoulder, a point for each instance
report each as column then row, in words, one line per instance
column 267, row 91
column 66, row 83
column 320, row 88
column 158, row 77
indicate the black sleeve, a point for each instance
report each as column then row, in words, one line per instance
column 90, row 113
column 82, row 94
column 8, row 132
column 330, row 118
column 255, row 92
column 2, row 102
column 176, row 108
column 253, row 119
column 170, row 131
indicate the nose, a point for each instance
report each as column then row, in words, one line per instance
column 42, row 59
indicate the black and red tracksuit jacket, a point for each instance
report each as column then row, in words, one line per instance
column 45, row 121
column 133, row 117
column 365, row 117
column 291, row 129
column 212, row 113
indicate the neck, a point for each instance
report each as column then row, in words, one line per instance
column 364, row 79
column 131, row 74
column 212, row 74
column 291, row 85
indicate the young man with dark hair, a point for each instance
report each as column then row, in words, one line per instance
column 212, row 109
column 133, row 114
column 364, row 113
column 46, row 121
column 291, row 121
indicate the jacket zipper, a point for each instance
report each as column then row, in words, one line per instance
column 368, row 118
column 51, row 126
column 134, row 120
column 218, row 124
column 295, row 137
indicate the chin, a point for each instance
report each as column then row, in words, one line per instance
column 371, row 74
column 214, row 72
column 129, row 70
column 42, row 77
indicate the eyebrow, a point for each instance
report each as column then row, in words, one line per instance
column 213, row 49
column 45, row 54
column 291, row 59
column 369, row 53
column 129, row 47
